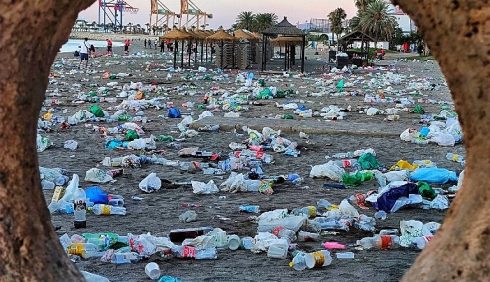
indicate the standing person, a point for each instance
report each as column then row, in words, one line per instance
column 84, row 53
column 156, row 44
column 145, row 43
column 420, row 50
column 149, row 43
column 162, row 46
column 126, row 46
column 109, row 47
column 92, row 51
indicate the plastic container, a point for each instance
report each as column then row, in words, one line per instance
column 234, row 242
column 278, row 249
column 247, row 243
column 345, row 255
column 153, row 271
column 304, row 236
column 298, row 262
column 318, row 259
column 250, row 209
column 85, row 250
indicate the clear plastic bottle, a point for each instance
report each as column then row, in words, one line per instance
column 379, row 242
column 80, row 206
column 346, row 163
column 208, row 253
column 455, row 157
column 85, row 250
column 284, row 233
column 101, row 209
column 250, row 209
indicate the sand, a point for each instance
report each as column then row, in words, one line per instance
column 158, row 212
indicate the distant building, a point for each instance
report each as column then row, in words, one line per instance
column 404, row 21
column 315, row 25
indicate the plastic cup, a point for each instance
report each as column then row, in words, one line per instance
column 247, row 243
column 152, row 270
column 318, row 259
column 234, row 242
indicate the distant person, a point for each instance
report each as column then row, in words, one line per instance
column 92, row 51
column 156, row 44
column 109, row 47
column 162, row 46
column 420, row 50
column 126, row 46
column 145, row 43
column 149, row 43
column 84, row 51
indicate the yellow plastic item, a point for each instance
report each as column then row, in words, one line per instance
column 47, row 116
column 402, row 164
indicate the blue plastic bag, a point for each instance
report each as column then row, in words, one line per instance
column 174, row 113
column 96, row 195
column 434, row 175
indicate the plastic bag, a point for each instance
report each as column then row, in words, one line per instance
column 150, row 183
column 97, row 176
column 443, row 139
column 96, row 111
column 204, row 188
column 368, row 161
column 70, row 145
column 329, row 170
column 434, row 175
column 42, row 143
column 188, row 216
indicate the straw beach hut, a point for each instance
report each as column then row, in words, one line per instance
column 177, row 36
column 284, row 28
column 289, row 43
column 222, row 36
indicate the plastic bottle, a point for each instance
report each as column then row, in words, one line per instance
column 101, row 209
column 80, row 212
column 250, row 209
column 47, row 185
column 309, row 211
column 208, row 253
column 345, row 255
column 102, row 240
column 85, row 250
column 379, row 242
column 455, row 157
column 298, row 262
column 346, row 163
column 343, row 155
column 421, row 242
column 304, row 236
column 331, row 224
column 115, row 200
column 284, row 233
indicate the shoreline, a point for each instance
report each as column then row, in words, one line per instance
column 112, row 36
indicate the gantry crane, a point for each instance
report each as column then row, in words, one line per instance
column 161, row 15
column 192, row 16
column 112, row 11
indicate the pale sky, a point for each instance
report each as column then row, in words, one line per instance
column 226, row 11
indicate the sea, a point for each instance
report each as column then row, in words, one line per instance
column 72, row 45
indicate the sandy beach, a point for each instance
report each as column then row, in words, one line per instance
column 158, row 212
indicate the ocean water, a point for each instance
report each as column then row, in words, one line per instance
column 72, row 45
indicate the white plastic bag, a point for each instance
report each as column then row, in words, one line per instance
column 97, row 176
column 71, row 145
column 204, row 188
column 42, row 143
column 329, row 170
column 151, row 183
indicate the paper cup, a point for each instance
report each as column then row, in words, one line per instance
column 318, row 259
column 152, row 270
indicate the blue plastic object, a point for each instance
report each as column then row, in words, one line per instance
column 114, row 144
column 96, row 195
column 424, row 131
column 434, row 175
column 387, row 200
column 174, row 113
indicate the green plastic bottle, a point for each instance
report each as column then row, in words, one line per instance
column 426, row 191
column 96, row 110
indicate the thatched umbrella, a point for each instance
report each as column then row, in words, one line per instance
column 223, row 36
column 245, row 35
column 284, row 28
column 289, row 43
column 177, row 35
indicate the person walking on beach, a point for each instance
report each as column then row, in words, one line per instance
column 109, row 47
column 149, row 43
column 162, row 46
column 84, row 53
column 126, row 46
column 145, row 43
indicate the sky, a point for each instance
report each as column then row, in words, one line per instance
column 225, row 11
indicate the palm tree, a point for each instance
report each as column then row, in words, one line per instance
column 264, row 21
column 377, row 22
column 336, row 18
column 362, row 4
column 245, row 20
